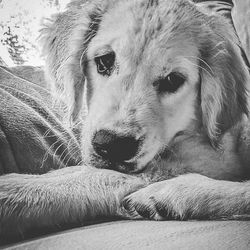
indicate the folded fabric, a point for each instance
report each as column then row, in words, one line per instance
column 33, row 138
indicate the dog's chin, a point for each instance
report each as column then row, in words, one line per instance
column 125, row 167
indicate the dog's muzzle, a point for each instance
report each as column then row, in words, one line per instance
column 115, row 147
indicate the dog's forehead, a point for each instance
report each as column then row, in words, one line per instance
column 149, row 34
column 137, row 26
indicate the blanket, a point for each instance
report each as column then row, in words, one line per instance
column 33, row 138
column 193, row 235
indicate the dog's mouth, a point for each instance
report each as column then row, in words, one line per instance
column 129, row 167
column 141, row 162
column 123, row 167
column 117, row 151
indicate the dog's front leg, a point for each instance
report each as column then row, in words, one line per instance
column 191, row 196
column 68, row 196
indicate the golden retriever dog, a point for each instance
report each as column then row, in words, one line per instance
column 163, row 91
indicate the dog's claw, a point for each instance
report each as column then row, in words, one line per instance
column 145, row 204
column 128, row 211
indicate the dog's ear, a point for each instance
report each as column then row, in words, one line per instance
column 224, row 79
column 65, row 38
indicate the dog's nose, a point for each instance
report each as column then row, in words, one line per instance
column 114, row 147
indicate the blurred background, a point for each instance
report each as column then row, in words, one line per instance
column 20, row 21
column 241, row 16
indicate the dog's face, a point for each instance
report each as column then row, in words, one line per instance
column 142, row 86
column 153, row 69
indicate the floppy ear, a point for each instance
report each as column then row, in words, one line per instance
column 224, row 79
column 65, row 39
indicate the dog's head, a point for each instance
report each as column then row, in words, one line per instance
column 146, row 70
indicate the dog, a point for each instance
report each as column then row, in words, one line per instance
column 163, row 90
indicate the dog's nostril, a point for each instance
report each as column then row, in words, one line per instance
column 114, row 147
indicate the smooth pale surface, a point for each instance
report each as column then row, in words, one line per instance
column 241, row 16
column 149, row 235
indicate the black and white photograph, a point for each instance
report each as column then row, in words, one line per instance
column 125, row 124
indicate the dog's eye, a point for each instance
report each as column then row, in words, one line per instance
column 105, row 64
column 169, row 84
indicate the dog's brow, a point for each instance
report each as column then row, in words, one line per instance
column 103, row 50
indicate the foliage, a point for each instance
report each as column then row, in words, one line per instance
column 19, row 28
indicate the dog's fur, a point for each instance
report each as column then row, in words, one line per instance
column 200, row 132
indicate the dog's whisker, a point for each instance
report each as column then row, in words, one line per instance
column 71, row 155
column 67, row 148
column 198, row 66
column 49, row 150
column 203, row 61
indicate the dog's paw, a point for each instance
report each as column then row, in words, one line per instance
column 178, row 198
column 149, row 202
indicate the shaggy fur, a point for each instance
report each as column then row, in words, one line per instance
column 199, row 134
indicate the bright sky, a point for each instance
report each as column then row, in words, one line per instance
column 25, row 13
